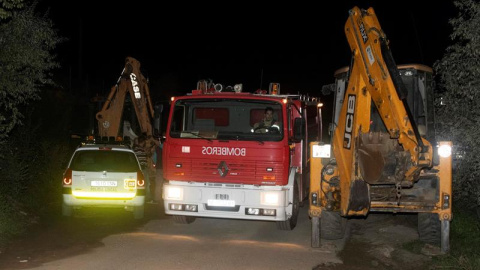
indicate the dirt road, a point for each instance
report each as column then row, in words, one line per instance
column 113, row 240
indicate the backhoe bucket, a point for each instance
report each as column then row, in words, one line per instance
column 381, row 160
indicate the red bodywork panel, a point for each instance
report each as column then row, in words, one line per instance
column 235, row 161
column 245, row 162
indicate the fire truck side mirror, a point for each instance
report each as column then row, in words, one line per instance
column 298, row 129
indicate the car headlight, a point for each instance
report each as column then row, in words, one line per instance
column 173, row 193
column 269, row 198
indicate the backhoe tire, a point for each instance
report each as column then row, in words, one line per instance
column 183, row 219
column 332, row 225
column 429, row 228
column 290, row 223
column 138, row 212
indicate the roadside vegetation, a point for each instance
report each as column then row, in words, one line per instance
column 465, row 237
column 459, row 114
column 27, row 152
column 32, row 164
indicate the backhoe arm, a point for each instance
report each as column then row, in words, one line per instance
column 380, row 161
column 362, row 156
column 132, row 81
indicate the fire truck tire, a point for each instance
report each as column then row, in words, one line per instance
column 332, row 225
column 298, row 178
column 429, row 228
column 138, row 212
column 183, row 219
column 290, row 223
column 67, row 211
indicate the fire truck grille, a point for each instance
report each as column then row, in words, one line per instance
column 228, row 170
column 245, row 172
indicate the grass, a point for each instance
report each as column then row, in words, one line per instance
column 464, row 243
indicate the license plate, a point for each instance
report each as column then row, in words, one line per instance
column 103, row 183
column 229, row 203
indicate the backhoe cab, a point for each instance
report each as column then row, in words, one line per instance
column 383, row 156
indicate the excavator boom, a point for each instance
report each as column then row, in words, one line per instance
column 381, row 157
column 131, row 81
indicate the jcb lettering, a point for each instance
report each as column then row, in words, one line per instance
column 363, row 32
column 136, row 89
column 347, row 137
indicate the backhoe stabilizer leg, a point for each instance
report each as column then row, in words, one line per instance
column 315, row 232
column 445, row 235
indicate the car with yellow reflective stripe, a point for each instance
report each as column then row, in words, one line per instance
column 104, row 175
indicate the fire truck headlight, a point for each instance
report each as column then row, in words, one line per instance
column 445, row 150
column 269, row 198
column 173, row 193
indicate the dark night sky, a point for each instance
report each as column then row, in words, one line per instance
column 299, row 45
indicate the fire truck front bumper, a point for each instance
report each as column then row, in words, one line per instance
column 232, row 201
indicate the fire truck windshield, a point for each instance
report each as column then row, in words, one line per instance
column 227, row 119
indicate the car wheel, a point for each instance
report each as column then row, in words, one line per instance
column 138, row 212
column 67, row 211
column 183, row 219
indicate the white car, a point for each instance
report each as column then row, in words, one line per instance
column 104, row 175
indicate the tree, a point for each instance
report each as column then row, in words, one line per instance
column 459, row 110
column 6, row 7
column 27, row 40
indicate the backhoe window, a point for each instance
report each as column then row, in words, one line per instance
column 227, row 119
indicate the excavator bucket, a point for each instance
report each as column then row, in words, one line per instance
column 380, row 158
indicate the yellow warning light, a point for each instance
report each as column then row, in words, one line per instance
column 274, row 89
column 319, row 105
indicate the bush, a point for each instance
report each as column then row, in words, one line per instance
column 457, row 107
column 32, row 163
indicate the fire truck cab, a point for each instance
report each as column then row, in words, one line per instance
column 218, row 164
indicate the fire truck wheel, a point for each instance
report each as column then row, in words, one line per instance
column 138, row 212
column 298, row 178
column 67, row 211
column 290, row 223
column 429, row 228
column 183, row 219
column 332, row 225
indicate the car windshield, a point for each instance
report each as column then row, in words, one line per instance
column 103, row 160
column 227, row 119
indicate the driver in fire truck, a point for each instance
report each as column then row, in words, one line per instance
column 268, row 123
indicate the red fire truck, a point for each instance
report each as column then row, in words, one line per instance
column 219, row 162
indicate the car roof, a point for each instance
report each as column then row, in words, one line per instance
column 114, row 147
